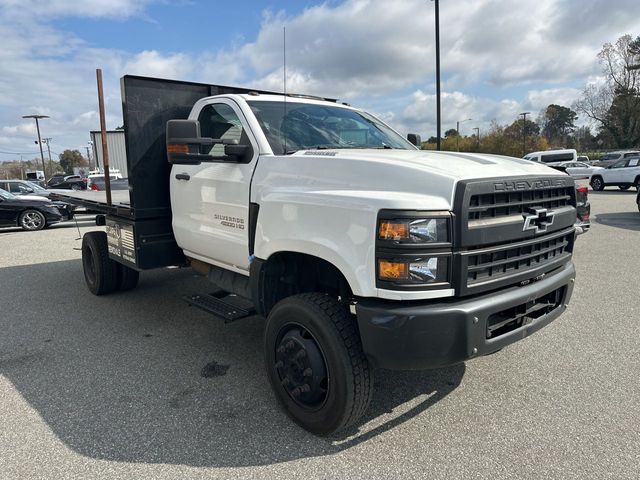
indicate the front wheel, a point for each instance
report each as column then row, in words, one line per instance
column 597, row 184
column 315, row 363
column 32, row 220
column 75, row 187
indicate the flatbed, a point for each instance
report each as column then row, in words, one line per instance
column 97, row 201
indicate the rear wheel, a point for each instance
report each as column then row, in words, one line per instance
column 32, row 220
column 100, row 272
column 315, row 363
column 597, row 184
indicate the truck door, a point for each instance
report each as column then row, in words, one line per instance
column 210, row 201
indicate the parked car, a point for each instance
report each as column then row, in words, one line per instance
column 578, row 169
column 31, row 213
column 638, row 199
column 27, row 187
column 73, row 182
column 623, row 174
column 98, row 184
column 614, row 157
column 583, row 209
column 553, row 156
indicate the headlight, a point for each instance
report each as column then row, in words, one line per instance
column 414, row 231
column 413, row 250
column 414, row 271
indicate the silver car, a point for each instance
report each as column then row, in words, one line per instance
column 25, row 187
column 579, row 169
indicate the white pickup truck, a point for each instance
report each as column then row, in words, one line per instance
column 359, row 249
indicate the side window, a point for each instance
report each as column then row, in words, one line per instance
column 619, row 164
column 219, row 120
column 633, row 162
column 15, row 188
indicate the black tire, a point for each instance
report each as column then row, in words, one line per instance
column 100, row 272
column 32, row 220
column 127, row 277
column 624, row 187
column 75, row 187
column 320, row 401
column 597, row 184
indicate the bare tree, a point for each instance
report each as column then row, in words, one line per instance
column 614, row 102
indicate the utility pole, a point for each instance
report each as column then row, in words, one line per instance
column 88, row 155
column 477, row 129
column 524, row 132
column 37, row 117
column 46, row 141
column 438, row 118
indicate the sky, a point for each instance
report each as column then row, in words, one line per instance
column 499, row 57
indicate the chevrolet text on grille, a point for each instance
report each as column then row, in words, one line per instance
column 508, row 186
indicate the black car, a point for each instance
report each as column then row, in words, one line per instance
column 31, row 213
column 73, row 182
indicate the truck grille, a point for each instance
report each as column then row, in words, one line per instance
column 504, row 261
column 492, row 205
column 511, row 231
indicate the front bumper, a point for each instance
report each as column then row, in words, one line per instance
column 421, row 335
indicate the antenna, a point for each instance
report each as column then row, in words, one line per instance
column 284, row 81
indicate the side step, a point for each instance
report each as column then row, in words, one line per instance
column 229, row 306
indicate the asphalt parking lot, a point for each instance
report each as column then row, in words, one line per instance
column 139, row 385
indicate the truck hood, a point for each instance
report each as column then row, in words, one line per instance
column 386, row 178
column 454, row 165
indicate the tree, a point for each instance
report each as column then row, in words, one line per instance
column 452, row 132
column 558, row 122
column 614, row 103
column 70, row 159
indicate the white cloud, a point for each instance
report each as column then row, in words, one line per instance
column 374, row 53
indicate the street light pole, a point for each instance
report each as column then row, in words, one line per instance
column 438, row 122
column 477, row 129
column 458, row 132
column 524, row 132
column 37, row 117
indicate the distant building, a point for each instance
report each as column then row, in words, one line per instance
column 115, row 147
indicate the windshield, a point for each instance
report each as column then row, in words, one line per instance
column 6, row 195
column 301, row 126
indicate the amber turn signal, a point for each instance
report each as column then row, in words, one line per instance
column 392, row 270
column 393, row 230
column 177, row 148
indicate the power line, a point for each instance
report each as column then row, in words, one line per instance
column 18, row 153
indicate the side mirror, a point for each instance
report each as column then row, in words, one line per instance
column 415, row 139
column 184, row 141
column 237, row 152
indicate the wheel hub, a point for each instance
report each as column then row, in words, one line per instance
column 301, row 367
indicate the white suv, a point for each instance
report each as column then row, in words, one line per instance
column 623, row 174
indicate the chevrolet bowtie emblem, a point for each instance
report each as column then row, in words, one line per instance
column 538, row 219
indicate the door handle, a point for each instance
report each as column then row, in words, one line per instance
column 182, row 176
